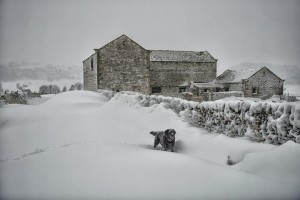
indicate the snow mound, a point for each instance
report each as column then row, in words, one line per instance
column 237, row 154
column 78, row 96
column 281, row 163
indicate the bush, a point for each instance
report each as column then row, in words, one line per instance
column 49, row 89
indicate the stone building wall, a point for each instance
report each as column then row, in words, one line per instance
column 170, row 76
column 263, row 84
column 123, row 65
column 90, row 73
column 234, row 86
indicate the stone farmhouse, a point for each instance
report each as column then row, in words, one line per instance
column 122, row 64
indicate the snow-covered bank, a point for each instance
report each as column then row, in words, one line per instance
column 79, row 145
column 264, row 121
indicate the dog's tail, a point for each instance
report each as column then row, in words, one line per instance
column 153, row 133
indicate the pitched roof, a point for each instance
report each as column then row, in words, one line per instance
column 121, row 37
column 236, row 76
column 181, row 56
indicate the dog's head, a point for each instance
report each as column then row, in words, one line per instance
column 170, row 134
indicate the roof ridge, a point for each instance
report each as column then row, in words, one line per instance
column 177, row 50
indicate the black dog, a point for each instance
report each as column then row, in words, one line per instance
column 165, row 138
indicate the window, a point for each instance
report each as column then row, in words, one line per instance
column 124, row 43
column 254, row 90
column 156, row 90
column 92, row 64
column 182, row 89
column 206, row 90
column 226, row 89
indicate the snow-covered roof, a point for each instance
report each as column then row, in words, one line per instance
column 181, row 56
column 211, row 84
column 237, row 75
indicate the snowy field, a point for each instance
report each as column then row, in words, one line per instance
column 79, row 145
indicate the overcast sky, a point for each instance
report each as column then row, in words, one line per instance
column 233, row 31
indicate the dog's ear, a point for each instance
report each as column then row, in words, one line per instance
column 167, row 131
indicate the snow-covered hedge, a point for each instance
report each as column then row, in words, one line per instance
column 265, row 121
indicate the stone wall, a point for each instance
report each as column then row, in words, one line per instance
column 266, row 84
column 123, row 66
column 176, row 74
column 220, row 95
column 268, row 122
column 90, row 73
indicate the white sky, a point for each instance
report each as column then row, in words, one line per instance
column 233, row 31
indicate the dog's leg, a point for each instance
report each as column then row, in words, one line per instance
column 165, row 145
column 173, row 146
column 156, row 142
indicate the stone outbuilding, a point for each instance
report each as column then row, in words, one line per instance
column 123, row 64
column 257, row 82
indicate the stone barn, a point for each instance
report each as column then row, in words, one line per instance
column 123, row 64
column 257, row 82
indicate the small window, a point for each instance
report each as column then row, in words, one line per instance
column 182, row 89
column 156, row 90
column 206, row 90
column 226, row 89
column 254, row 90
column 264, row 73
column 124, row 43
column 92, row 64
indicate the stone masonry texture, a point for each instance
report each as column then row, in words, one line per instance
column 124, row 65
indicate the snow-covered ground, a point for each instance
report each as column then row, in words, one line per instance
column 79, row 145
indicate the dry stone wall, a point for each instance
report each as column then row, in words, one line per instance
column 220, row 95
column 268, row 122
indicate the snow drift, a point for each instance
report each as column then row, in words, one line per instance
column 81, row 145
